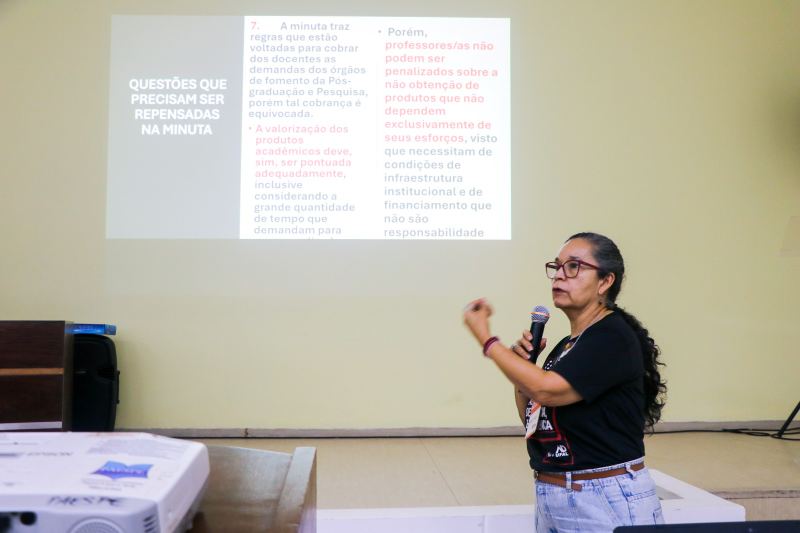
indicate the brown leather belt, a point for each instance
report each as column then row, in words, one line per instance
column 561, row 479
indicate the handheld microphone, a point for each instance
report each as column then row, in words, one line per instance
column 539, row 317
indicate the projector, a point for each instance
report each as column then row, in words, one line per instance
column 99, row 483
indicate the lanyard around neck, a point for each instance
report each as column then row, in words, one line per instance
column 570, row 345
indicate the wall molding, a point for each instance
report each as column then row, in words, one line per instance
column 501, row 431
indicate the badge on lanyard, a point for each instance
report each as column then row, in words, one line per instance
column 534, row 408
column 533, row 412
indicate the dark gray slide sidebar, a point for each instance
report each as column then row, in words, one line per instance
column 173, row 168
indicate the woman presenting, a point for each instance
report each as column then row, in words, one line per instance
column 587, row 408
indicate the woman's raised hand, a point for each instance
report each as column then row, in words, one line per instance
column 476, row 318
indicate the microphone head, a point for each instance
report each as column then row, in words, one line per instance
column 540, row 314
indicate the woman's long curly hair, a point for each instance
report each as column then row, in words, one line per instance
column 609, row 259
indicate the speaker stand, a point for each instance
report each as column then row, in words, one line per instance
column 788, row 421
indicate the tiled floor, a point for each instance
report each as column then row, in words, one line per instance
column 441, row 472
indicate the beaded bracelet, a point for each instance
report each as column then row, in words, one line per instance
column 488, row 344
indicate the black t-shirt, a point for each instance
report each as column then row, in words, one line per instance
column 607, row 426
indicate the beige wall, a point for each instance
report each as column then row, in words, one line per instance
column 671, row 126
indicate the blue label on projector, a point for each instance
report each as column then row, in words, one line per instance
column 98, row 329
column 116, row 470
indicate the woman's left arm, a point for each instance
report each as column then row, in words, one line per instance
column 547, row 388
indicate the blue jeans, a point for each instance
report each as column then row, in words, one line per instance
column 602, row 504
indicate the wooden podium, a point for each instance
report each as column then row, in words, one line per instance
column 35, row 375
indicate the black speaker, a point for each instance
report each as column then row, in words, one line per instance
column 95, row 387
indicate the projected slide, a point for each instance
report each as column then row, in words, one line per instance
column 309, row 128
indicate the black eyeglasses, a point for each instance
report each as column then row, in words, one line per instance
column 571, row 268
